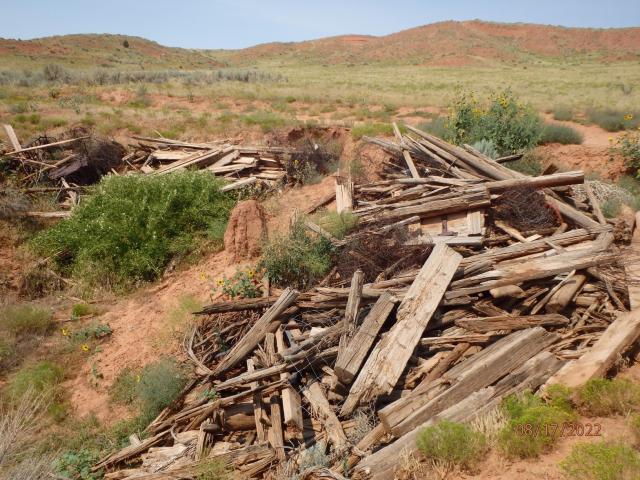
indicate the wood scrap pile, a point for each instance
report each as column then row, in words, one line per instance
column 241, row 165
column 353, row 369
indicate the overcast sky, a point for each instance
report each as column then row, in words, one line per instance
column 242, row 23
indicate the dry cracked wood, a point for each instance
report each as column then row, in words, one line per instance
column 390, row 356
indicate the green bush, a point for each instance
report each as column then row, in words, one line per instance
column 629, row 147
column 82, row 310
column 556, row 133
column 26, row 319
column 453, row 444
column 296, row 259
column 611, row 207
column 337, row 224
column 124, row 387
column 613, row 120
column 563, row 113
column 132, row 226
column 245, row 283
column 437, row 127
column 511, row 125
column 602, row 397
column 160, row 384
column 533, row 427
column 486, row 147
column 213, row 469
column 44, row 378
column 602, row 461
column 267, row 121
column 78, row 464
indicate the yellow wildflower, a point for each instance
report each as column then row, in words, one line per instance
column 628, row 116
column 85, row 347
column 220, row 282
column 65, row 332
column 138, row 378
column 203, row 276
column 251, row 273
column 610, row 139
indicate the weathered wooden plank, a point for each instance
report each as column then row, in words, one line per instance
column 349, row 364
column 350, row 314
column 491, row 324
column 322, row 409
column 389, row 357
column 257, row 333
column 618, row 336
column 291, row 404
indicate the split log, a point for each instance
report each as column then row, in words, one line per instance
column 390, row 356
column 349, row 364
column 405, row 152
column 618, row 336
column 491, row 324
column 291, row 404
column 257, row 333
column 565, row 294
column 322, row 409
column 344, row 194
column 350, row 315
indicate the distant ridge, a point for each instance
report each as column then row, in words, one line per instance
column 448, row 43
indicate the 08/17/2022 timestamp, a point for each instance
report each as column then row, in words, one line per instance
column 565, row 429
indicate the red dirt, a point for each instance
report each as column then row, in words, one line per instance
column 245, row 231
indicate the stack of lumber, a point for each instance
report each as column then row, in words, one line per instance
column 485, row 310
column 241, row 165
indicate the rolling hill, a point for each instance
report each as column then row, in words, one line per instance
column 445, row 43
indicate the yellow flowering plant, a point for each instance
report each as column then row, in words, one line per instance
column 628, row 145
column 245, row 283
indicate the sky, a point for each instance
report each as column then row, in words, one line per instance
column 243, row 23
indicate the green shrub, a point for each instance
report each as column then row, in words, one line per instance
column 78, row 464
column 296, row 259
column 602, row 397
column 160, row 384
column 43, row 378
column 511, row 125
column 556, row 133
column 132, row 226
column 453, row 444
column 245, row 283
column 533, row 427
column 486, row 147
column 611, row 207
column 602, row 461
column 613, row 120
column 7, row 352
column 124, row 387
column 26, row 319
column 371, row 130
column 337, row 224
column 629, row 147
column 559, row 396
column 82, row 310
column 529, row 164
column 563, row 113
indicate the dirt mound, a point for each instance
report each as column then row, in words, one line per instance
column 245, row 231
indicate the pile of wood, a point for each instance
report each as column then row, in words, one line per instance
column 241, row 165
column 353, row 369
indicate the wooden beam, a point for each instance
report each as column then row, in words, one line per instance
column 257, row 333
column 491, row 324
column 390, row 356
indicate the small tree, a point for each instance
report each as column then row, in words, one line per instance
column 125, row 43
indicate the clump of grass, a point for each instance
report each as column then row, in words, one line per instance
column 132, row 226
column 26, row 319
column 453, row 444
column 602, row 397
column 267, row 121
column 124, row 387
column 160, row 384
column 337, row 224
column 602, row 461
column 530, row 430
column 529, row 164
column 82, row 310
column 371, row 130
column 296, row 259
column 213, row 469
column 42, row 377
column 611, row 207
column 556, row 133
column 563, row 113
column 614, row 120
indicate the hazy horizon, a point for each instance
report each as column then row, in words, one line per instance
column 224, row 24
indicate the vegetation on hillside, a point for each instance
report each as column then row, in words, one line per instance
column 132, row 226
